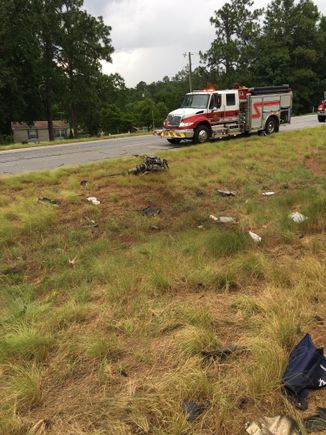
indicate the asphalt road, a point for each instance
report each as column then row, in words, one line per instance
column 72, row 154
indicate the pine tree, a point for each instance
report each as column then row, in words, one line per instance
column 237, row 28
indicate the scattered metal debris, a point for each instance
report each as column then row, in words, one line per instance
column 297, row 217
column 268, row 193
column 93, row 200
column 84, row 183
column 90, row 223
column 255, row 237
column 150, row 211
column 155, row 228
column 150, row 164
column 73, row 261
column 317, row 422
column 223, row 219
column 223, row 353
column 193, row 409
column 48, row 201
column 226, row 192
column 280, row 425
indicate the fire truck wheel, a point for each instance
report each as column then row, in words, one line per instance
column 321, row 118
column 174, row 140
column 201, row 134
column 271, row 125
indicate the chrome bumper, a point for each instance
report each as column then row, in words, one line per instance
column 180, row 134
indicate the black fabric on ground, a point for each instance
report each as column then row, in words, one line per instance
column 306, row 370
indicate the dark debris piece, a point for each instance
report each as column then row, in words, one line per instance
column 123, row 373
column 155, row 228
column 192, row 409
column 316, row 423
column 223, row 352
column 84, row 183
column 226, row 192
column 11, row 271
column 243, row 402
column 318, row 319
column 150, row 211
column 48, row 201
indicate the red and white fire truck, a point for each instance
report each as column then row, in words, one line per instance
column 321, row 111
column 210, row 113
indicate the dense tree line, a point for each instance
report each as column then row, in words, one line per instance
column 51, row 53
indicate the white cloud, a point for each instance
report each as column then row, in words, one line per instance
column 150, row 36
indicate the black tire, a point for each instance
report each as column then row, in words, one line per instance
column 271, row 125
column 321, row 118
column 201, row 134
column 174, row 140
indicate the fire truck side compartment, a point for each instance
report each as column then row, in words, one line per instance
column 261, row 107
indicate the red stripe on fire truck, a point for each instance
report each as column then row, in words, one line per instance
column 258, row 105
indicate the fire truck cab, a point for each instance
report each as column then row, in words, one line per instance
column 219, row 113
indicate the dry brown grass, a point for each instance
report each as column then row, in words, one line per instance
column 112, row 343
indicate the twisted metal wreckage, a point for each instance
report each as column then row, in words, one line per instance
column 149, row 164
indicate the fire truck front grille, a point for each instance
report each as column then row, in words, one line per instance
column 174, row 120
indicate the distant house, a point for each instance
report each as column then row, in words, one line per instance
column 38, row 131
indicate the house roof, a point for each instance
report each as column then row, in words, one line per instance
column 39, row 125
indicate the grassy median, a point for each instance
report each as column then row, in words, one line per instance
column 105, row 313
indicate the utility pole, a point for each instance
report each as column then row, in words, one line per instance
column 190, row 72
column 190, row 69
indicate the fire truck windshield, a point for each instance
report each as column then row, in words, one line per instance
column 195, row 101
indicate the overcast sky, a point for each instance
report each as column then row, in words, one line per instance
column 150, row 36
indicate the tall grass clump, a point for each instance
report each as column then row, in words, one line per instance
column 24, row 387
column 25, row 343
column 226, row 243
